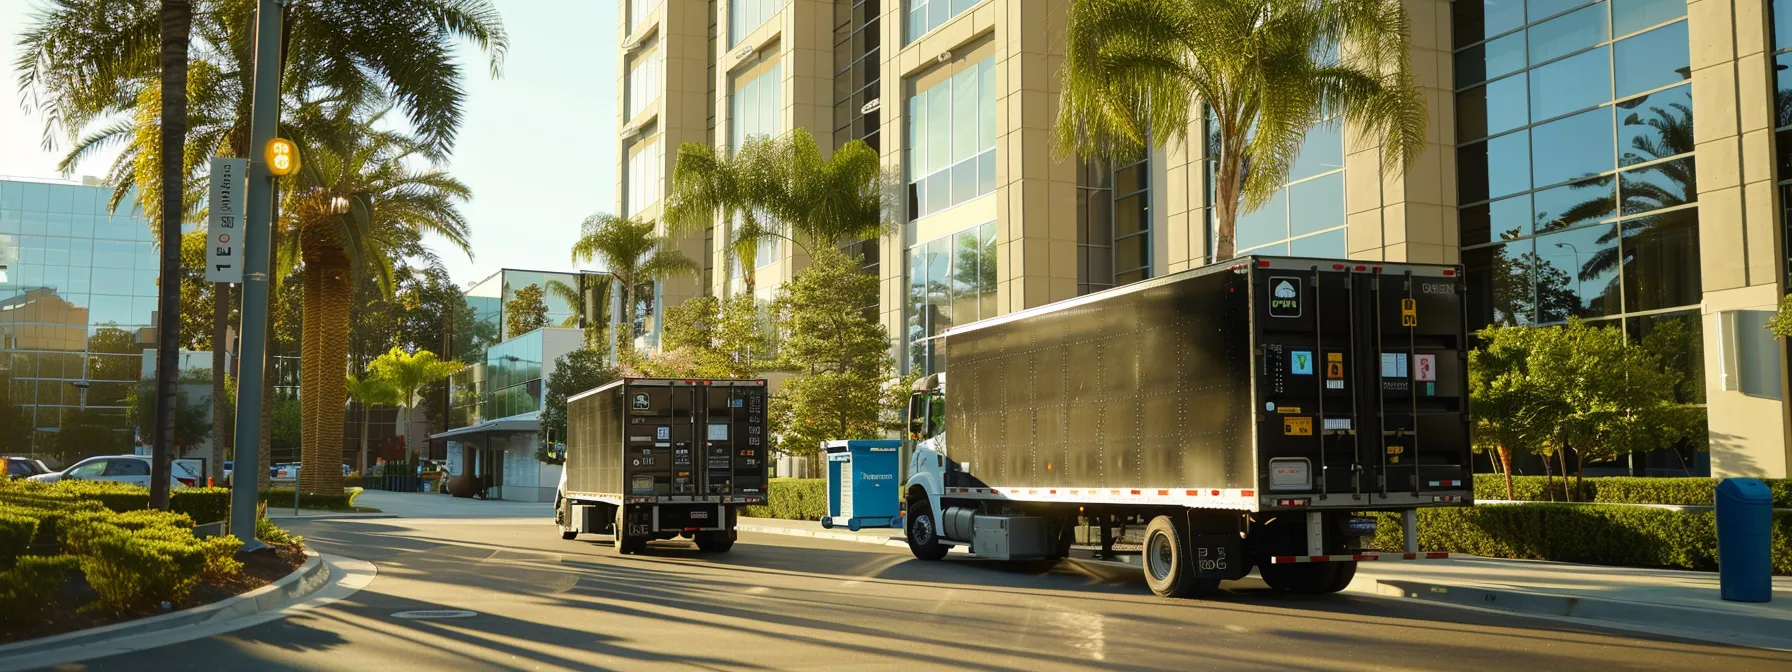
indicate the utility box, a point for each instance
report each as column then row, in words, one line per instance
column 862, row 485
column 1744, row 538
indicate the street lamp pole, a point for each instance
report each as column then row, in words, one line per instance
column 1579, row 295
column 259, row 218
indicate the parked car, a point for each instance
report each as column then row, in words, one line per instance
column 133, row 469
column 24, row 467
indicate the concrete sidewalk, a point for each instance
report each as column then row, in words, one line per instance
column 1657, row 601
column 423, row 505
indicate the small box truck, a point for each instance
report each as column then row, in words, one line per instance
column 1242, row 414
column 654, row 459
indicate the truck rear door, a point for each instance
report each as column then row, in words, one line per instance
column 1362, row 388
column 734, row 441
column 660, row 457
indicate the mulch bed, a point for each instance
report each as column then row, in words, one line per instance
column 64, row 613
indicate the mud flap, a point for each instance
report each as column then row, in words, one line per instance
column 1218, row 556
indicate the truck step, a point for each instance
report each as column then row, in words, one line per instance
column 1359, row 557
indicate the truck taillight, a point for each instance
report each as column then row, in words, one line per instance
column 1301, row 501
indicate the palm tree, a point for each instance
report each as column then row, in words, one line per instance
column 633, row 254
column 827, row 201
column 176, row 27
column 89, row 67
column 1268, row 70
column 407, row 374
column 353, row 209
column 742, row 188
column 369, row 390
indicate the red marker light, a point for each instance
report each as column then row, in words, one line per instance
column 1449, row 271
column 1377, row 268
column 1337, row 267
column 1362, row 268
column 1263, row 263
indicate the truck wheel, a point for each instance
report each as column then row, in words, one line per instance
column 714, row 542
column 1166, row 562
column 923, row 532
column 1309, row 578
column 624, row 544
column 563, row 515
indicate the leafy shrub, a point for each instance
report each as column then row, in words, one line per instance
column 205, row 505
column 137, row 570
column 1593, row 534
column 793, row 499
column 1621, row 490
column 279, row 498
column 28, row 586
column 220, row 557
column 272, row 534
column 16, row 534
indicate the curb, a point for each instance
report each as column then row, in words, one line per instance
column 335, row 516
column 307, row 579
column 1712, row 625
column 836, row 536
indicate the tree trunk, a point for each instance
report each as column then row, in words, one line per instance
column 1506, row 468
column 366, row 426
column 176, row 26
column 625, row 336
column 311, row 358
column 1225, row 211
column 223, row 426
column 1562, row 455
column 326, row 364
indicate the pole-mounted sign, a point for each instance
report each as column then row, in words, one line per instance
column 282, row 157
column 224, row 227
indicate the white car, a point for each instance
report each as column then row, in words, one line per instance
column 133, row 469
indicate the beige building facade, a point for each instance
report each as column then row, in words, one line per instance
column 1616, row 161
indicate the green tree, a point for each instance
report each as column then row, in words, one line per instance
column 1781, row 322
column 369, row 391
column 840, row 357
column 827, row 201
column 16, row 426
column 283, row 431
column 190, row 422
column 1616, row 396
column 633, row 255
column 574, row 372
column 526, row 311
column 741, row 188
column 1136, row 70
column 706, row 337
column 407, row 373
column 90, row 432
column 1506, row 401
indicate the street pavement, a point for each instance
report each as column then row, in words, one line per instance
column 782, row 602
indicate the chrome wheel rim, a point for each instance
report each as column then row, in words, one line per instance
column 1159, row 556
column 922, row 533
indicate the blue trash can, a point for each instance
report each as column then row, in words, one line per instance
column 862, row 487
column 1744, row 535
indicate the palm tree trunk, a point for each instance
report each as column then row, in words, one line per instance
column 1506, row 468
column 366, row 425
column 311, row 358
column 337, row 296
column 1567, row 492
column 1225, row 209
column 176, row 26
column 625, row 337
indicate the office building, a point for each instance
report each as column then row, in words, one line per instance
column 1618, row 161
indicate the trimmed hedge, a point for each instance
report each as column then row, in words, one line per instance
column 278, row 498
column 206, row 505
column 793, row 499
column 1583, row 533
column 16, row 534
column 1620, row 490
column 27, row 587
column 137, row 570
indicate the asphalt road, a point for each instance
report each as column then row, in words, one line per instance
column 780, row 602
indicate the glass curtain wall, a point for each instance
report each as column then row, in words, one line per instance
column 1132, row 222
column 646, row 79
column 857, row 74
column 1576, row 175
column 952, row 280
column 638, row 11
column 646, row 170
column 77, row 303
column 1782, row 122
column 746, row 16
column 1306, row 216
column 926, row 15
column 951, row 155
column 1095, row 227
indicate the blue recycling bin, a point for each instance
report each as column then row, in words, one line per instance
column 862, row 487
column 1744, row 535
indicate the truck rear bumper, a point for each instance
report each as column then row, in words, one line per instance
column 1358, row 557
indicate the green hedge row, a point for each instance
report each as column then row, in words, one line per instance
column 206, row 505
column 279, row 498
column 1584, row 533
column 27, row 587
column 793, row 499
column 1619, row 490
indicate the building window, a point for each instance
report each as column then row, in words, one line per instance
column 646, row 80
column 746, row 16
column 1095, row 227
column 756, row 105
column 1305, row 218
column 1782, row 122
column 926, row 15
column 646, row 170
column 952, row 280
column 952, row 131
column 1132, row 222
column 638, row 10
column 857, row 72
column 1575, row 169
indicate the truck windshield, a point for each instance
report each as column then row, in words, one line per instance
column 936, row 415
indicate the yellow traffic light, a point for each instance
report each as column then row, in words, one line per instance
column 282, row 157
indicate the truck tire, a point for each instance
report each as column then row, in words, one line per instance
column 1309, row 578
column 923, row 532
column 1166, row 563
column 714, row 542
column 626, row 545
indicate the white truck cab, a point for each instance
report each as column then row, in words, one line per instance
column 927, row 466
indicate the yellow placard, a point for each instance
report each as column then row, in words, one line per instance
column 1300, row 426
column 1288, row 409
column 1334, row 369
column 282, row 157
column 1409, row 313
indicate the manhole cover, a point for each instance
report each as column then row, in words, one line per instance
column 436, row 613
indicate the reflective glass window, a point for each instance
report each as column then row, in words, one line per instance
column 1497, row 57
column 1655, row 126
column 1567, row 34
column 1473, row 21
column 1629, row 16
column 1330, row 244
column 1574, row 147
column 1577, row 273
column 1570, row 84
column 1661, row 260
column 1508, row 164
column 1265, row 224
column 1573, row 204
column 1657, row 186
column 1651, row 60
column 1322, row 151
column 1316, row 205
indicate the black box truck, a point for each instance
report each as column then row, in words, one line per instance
column 661, row 458
column 1241, row 414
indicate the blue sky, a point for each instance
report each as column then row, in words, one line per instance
column 537, row 147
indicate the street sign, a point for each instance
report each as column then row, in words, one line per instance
column 224, row 229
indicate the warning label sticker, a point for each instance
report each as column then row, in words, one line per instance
column 1297, row 426
column 1424, row 368
column 1301, row 362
